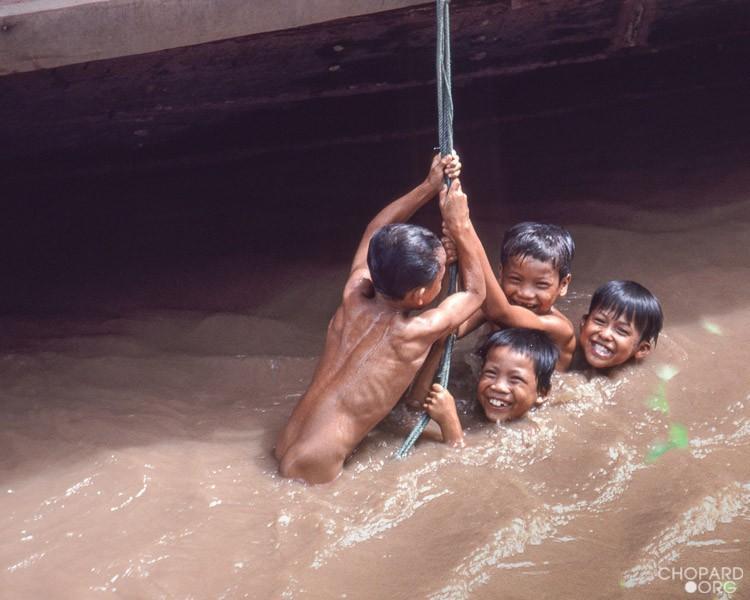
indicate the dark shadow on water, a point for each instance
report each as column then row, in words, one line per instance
column 207, row 238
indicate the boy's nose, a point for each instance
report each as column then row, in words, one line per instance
column 500, row 385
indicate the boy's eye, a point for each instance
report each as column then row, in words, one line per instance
column 598, row 320
column 543, row 285
column 516, row 379
column 488, row 374
column 622, row 331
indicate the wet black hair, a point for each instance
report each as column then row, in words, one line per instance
column 634, row 302
column 533, row 343
column 542, row 241
column 402, row 257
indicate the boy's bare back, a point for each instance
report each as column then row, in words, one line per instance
column 374, row 347
column 368, row 362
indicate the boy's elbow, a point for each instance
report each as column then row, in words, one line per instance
column 490, row 307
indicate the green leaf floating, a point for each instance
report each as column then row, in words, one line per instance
column 657, row 450
column 659, row 400
column 678, row 438
column 659, row 403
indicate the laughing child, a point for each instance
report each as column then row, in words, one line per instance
column 534, row 273
column 516, row 372
column 623, row 324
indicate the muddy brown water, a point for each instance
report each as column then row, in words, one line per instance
column 138, row 418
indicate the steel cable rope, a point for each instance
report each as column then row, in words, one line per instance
column 445, row 135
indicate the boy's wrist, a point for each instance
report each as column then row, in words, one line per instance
column 452, row 431
column 428, row 189
column 459, row 229
column 449, row 420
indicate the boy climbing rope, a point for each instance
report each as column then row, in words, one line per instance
column 374, row 344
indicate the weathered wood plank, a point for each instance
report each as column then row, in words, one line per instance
column 41, row 34
column 371, row 76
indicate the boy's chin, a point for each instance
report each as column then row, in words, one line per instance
column 495, row 418
column 598, row 363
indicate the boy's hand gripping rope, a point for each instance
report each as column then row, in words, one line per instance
column 445, row 133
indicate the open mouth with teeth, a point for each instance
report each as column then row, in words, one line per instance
column 497, row 409
column 601, row 351
column 499, row 404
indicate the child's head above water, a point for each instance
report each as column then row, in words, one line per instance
column 535, row 260
column 517, row 369
column 404, row 261
column 623, row 322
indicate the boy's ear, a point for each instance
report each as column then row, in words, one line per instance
column 643, row 349
column 564, row 283
column 419, row 294
column 583, row 322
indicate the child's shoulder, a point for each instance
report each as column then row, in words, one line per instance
column 558, row 322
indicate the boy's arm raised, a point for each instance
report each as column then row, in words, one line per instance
column 456, row 308
column 441, row 406
column 402, row 209
column 497, row 308
column 478, row 318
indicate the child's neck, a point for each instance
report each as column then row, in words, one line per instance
column 391, row 305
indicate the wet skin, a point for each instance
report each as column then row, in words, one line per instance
column 608, row 340
column 374, row 346
column 532, row 283
column 522, row 296
column 367, row 362
column 507, row 386
column 441, row 406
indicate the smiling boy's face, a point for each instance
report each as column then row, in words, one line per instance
column 532, row 283
column 608, row 340
column 507, row 386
